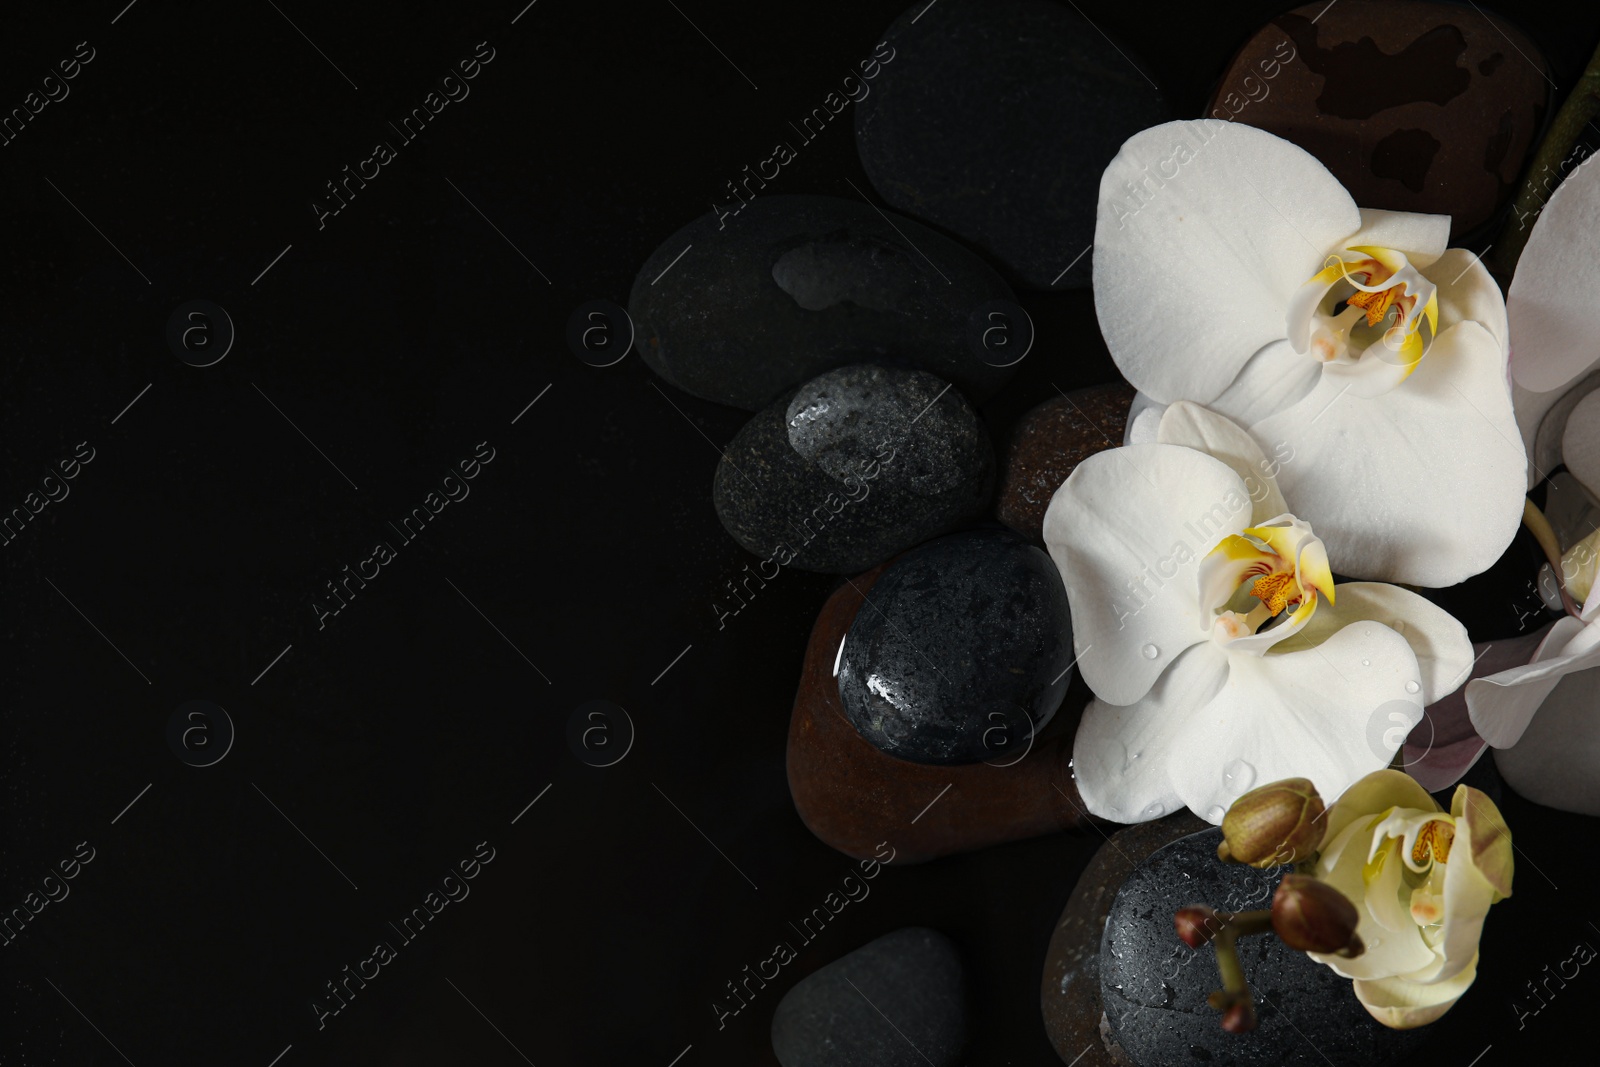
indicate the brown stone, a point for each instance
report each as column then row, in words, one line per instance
column 1049, row 442
column 1069, row 993
column 855, row 797
column 1414, row 106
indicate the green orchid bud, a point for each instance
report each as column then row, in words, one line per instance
column 1273, row 825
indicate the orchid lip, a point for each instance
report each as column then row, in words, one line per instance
column 1366, row 300
column 1263, row 584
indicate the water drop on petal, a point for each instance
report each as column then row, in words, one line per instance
column 1155, row 811
column 1399, row 626
column 1412, row 687
column 1238, row 775
column 1366, row 663
column 1151, row 651
column 1215, row 813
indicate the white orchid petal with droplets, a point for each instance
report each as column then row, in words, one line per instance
column 1233, row 270
column 1207, row 622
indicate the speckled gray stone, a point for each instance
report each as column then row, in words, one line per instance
column 965, row 653
column 841, row 1015
column 1154, row 987
column 852, row 467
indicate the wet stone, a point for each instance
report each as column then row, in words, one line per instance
column 852, row 467
column 1154, row 987
column 995, row 120
column 841, row 1015
column 739, row 308
column 965, row 653
column 1414, row 106
column 1048, row 443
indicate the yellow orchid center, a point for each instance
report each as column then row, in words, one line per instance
column 1433, row 842
column 1369, row 300
column 1280, row 566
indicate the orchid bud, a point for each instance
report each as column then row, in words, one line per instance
column 1273, row 824
column 1312, row 916
column 1197, row 924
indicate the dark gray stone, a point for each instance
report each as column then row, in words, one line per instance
column 793, row 286
column 965, row 653
column 899, row 1001
column 1154, row 987
column 852, row 467
column 995, row 120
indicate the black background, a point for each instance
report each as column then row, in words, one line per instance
column 407, row 729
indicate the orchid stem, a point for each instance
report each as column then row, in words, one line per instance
column 1581, row 105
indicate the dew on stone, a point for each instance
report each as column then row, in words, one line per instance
column 1151, row 651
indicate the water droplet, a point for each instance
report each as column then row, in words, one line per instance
column 1399, row 626
column 1135, row 756
column 1412, row 687
column 1366, row 663
column 1366, row 633
column 1155, row 811
column 1214, row 814
column 839, row 656
column 1238, row 775
column 1151, row 651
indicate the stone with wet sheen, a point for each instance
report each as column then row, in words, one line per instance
column 740, row 308
column 1413, row 105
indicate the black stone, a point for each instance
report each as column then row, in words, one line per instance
column 1154, row 987
column 899, row 1001
column 995, row 120
column 792, row 286
column 852, row 467
column 965, row 653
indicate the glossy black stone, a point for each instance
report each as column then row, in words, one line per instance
column 963, row 653
column 850, row 468
column 1154, row 987
column 899, row 1001
column 792, row 286
column 995, row 120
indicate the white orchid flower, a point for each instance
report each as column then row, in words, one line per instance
column 1204, row 619
column 1233, row 270
column 1422, row 881
column 1539, row 715
column 1554, row 311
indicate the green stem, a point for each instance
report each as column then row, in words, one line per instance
column 1581, row 105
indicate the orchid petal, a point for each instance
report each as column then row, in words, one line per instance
column 1374, row 793
column 1440, row 643
column 1144, row 416
column 1423, row 238
column 1469, row 293
column 1503, row 705
column 1275, row 378
column 1401, row 1004
column 1205, row 266
column 1127, row 530
column 1121, row 756
column 1386, row 480
column 1388, row 951
column 1555, row 319
column 1193, row 426
column 1293, row 714
column 1580, row 442
column 1444, row 746
column 1557, row 760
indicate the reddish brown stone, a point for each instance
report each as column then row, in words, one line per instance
column 1049, row 442
column 1414, row 106
column 1069, row 993
column 854, row 797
